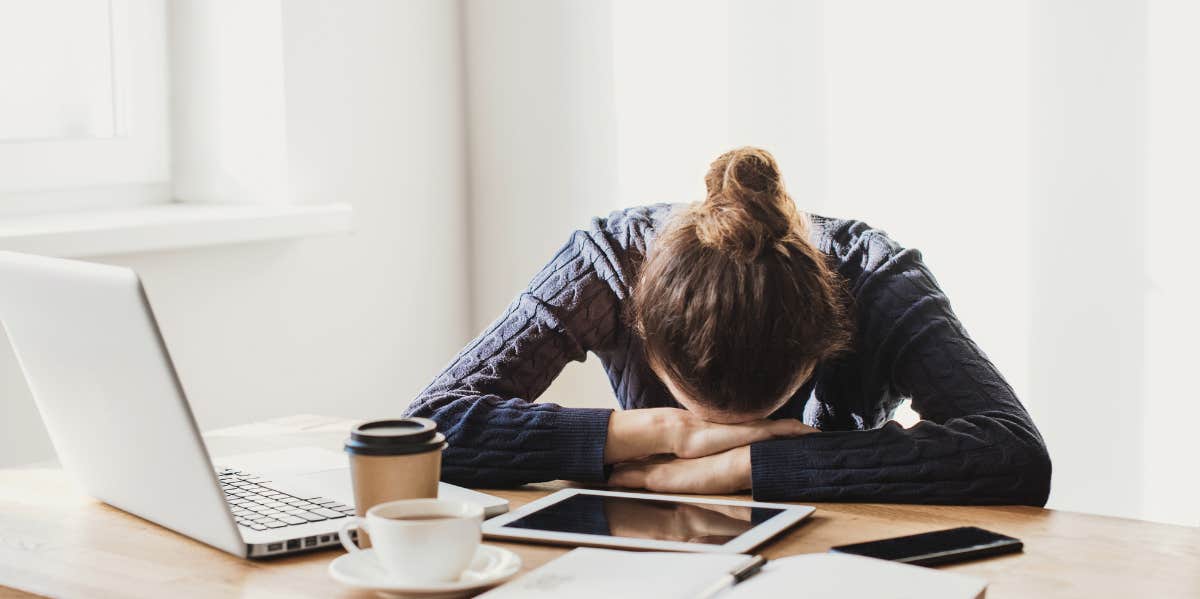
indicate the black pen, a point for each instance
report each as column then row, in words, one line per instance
column 750, row 568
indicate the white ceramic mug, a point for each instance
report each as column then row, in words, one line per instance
column 420, row 540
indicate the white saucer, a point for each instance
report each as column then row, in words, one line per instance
column 361, row 569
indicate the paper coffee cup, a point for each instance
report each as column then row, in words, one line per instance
column 392, row 460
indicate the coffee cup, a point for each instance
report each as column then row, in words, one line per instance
column 394, row 459
column 420, row 540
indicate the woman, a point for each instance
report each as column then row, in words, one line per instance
column 751, row 347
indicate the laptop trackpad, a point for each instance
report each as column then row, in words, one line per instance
column 312, row 471
column 331, row 484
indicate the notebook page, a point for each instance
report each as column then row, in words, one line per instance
column 841, row 576
column 587, row 573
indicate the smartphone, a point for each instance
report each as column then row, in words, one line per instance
column 939, row 547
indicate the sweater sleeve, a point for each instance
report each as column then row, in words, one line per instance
column 975, row 444
column 484, row 400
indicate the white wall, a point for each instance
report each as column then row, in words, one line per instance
column 1088, row 192
column 348, row 325
column 1170, row 486
column 540, row 119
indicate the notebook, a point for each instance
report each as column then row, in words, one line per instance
column 587, row 572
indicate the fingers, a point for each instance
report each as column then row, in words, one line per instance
column 761, row 430
column 706, row 438
column 789, row 427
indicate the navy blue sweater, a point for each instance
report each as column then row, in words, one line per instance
column 975, row 443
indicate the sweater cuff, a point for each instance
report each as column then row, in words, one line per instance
column 778, row 472
column 579, row 437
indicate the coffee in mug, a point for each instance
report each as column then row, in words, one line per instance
column 392, row 460
column 420, row 540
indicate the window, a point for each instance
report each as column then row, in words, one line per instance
column 83, row 118
column 133, row 125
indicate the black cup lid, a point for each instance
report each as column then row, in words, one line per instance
column 401, row 436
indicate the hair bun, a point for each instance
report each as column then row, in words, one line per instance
column 751, row 170
column 747, row 209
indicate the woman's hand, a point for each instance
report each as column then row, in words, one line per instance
column 725, row 472
column 696, row 438
column 636, row 434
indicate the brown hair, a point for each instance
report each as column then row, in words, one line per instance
column 733, row 302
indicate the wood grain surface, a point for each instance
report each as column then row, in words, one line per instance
column 57, row 542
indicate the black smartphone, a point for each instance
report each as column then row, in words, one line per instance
column 938, row 547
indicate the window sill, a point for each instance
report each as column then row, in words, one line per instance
column 166, row 227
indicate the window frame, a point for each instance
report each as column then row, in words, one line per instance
column 132, row 167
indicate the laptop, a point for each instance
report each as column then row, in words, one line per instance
column 107, row 390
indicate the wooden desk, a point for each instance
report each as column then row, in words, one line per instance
column 56, row 541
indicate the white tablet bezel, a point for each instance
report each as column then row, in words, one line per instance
column 496, row 528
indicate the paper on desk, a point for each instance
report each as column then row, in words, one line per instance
column 596, row 573
column 838, row 575
column 587, row 573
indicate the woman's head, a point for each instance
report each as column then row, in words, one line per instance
column 734, row 304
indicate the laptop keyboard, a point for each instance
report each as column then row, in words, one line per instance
column 257, row 506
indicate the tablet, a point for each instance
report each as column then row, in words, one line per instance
column 646, row 521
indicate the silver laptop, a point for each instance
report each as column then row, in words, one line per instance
column 106, row 388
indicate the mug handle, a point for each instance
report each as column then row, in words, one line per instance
column 344, row 532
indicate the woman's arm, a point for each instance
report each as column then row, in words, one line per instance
column 976, row 443
column 484, row 400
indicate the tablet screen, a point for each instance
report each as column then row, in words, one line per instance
column 637, row 518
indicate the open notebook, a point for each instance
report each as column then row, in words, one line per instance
column 587, row 572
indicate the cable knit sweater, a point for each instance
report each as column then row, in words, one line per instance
column 975, row 443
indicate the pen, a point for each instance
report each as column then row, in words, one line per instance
column 750, row 568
